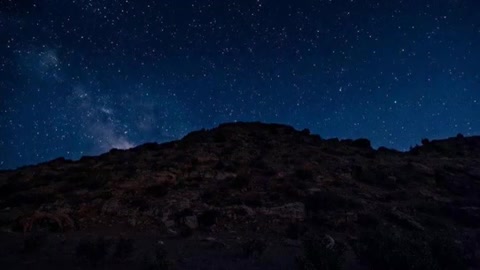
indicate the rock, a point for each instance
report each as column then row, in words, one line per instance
column 420, row 168
column 191, row 222
column 169, row 223
column 392, row 179
column 132, row 221
column 314, row 190
column 291, row 211
column 164, row 177
column 241, row 210
column 406, row 220
column 248, row 210
column 292, row 243
column 205, row 157
column 469, row 215
column 215, row 242
column 330, row 242
column 224, row 175
column 474, row 172
column 111, row 207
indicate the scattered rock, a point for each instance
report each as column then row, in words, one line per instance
column 330, row 242
column 406, row 220
column 294, row 211
column 191, row 222
column 111, row 206
column 474, row 172
column 292, row 242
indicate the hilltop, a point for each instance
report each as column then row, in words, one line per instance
column 248, row 196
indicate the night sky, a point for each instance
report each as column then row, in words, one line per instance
column 80, row 77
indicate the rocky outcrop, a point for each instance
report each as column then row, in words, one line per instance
column 254, row 186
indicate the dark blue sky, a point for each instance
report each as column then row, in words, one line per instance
column 80, row 77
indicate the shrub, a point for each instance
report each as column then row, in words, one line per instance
column 372, row 176
column 208, row 218
column 386, row 248
column 254, row 247
column 13, row 186
column 362, row 143
column 219, row 137
column 95, row 180
column 93, row 252
column 304, row 174
column 319, row 255
column 159, row 260
column 124, row 249
column 241, row 181
column 294, row 231
column 32, row 197
column 327, row 201
column 158, row 190
column 447, row 253
column 305, row 132
column 286, row 189
column 140, row 203
column 368, row 220
column 33, row 242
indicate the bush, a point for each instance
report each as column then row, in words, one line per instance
column 304, row 174
column 362, row 143
column 294, row 231
column 448, row 255
column 318, row 254
column 368, row 220
column 208, row 218
column 159, row 260
column 288, row 190
column 305, row 132
column 124, row 249
column 93, row 252
column 13, row 186
column 425, row 142
column 158, row 190
column 139, row 203
column 386, row 248
column 219, row 137
column 372, row 176
column 32, row 197
column 241, row 181
column 254, row 247
column 390, row 250
column 327, row 201
column 33, row 242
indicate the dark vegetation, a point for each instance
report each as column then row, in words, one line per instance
column 390, row 248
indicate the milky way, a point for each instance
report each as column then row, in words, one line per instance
column 82, row 77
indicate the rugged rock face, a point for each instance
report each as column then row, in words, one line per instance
column 248, row 196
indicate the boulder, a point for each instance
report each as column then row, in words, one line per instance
column 191, row 222
column 294, row 211
column 406, row 220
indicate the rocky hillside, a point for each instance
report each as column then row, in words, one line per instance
column 248, row 196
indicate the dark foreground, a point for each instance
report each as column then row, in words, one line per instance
column 247, row 196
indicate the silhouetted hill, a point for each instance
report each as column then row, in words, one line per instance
column 248, row 196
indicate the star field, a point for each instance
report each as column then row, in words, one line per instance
column 81, row 77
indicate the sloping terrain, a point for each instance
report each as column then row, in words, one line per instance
column 248, row 196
